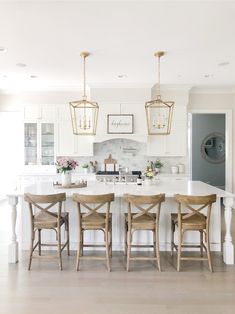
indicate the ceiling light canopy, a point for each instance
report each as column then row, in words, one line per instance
column 84, row 113
column 158, row 111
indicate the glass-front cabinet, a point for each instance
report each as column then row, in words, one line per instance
column 39, row 143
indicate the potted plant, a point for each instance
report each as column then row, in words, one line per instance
column 158, row 165
column 85, row 167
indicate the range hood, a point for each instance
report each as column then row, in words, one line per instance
column 134, row 137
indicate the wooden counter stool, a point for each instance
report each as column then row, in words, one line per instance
column 143, row 214
column 192, row 220
column 92, row 219
column 41, row 218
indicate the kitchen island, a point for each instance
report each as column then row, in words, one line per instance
column 118, row 209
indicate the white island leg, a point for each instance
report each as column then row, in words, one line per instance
column 13, row 246
column 228, row 249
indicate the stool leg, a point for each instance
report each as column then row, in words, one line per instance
column 128, row 249
column 201, row 242
column 208, row 251
column 79, row 249
column 67, row 229
column 125, row 238
column 158, row 249
column 39, row 242
column 154, row 243
column 107, row 249
column 31, row 249
column 179, row 250
column 110, row 242
column 59, row 248
column 172, row 236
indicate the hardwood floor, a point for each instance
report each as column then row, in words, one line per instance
column 93, row 290
column 46, row 289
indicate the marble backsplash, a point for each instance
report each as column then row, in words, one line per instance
column 129, row 154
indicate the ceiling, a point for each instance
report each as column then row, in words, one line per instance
column 122, row 36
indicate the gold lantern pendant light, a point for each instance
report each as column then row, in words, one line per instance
column 159, row 112
column 84, row 113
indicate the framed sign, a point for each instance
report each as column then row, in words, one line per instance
column 120, row 123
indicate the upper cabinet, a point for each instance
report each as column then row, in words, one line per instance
column 39, row 143
column 40, row 112
column 174, row 144
column 68, row 143
column 48, row 133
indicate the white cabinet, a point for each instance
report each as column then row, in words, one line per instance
column 174, row 144
column 39, row 143
column 68, row 143
column 40, row 112
column 165, row 178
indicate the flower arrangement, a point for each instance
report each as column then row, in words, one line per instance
column 65, row 164
column 93, row 166
column 149, row 173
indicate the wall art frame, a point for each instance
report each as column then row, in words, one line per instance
column 120, row 123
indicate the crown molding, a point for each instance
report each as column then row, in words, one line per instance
column 213, row 90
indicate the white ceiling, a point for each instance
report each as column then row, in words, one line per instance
column 122, row 36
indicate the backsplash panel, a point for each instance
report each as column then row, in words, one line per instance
column 129, row 154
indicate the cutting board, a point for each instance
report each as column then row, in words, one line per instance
column 110, row 164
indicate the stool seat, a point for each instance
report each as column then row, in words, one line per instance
column 193, row 222
column 144, row 222
column 95, row 221
column 44, row 220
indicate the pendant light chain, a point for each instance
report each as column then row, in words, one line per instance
column 84, row 77
column 158, row 76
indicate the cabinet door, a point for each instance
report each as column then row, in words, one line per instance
column 68, row 143
column 49, row 113
column 73, row 145
column 32, row 112
column 176, row 142
column 47, row 144
column 66, row 139
column 156, row 145
column 30, row 143
column 84, row 145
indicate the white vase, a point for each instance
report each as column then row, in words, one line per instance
column 85, row 170
column 148, row 181
column 66, row 178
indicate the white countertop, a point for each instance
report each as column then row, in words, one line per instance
column 169, row 188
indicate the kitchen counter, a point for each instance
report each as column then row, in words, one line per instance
column 118, row 209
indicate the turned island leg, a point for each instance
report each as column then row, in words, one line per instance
column 228, row 249
column 13, row 246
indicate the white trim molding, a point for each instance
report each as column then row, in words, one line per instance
column 228, row 143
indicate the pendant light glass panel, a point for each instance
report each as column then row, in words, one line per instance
column 84, row 115
column 159, row 117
